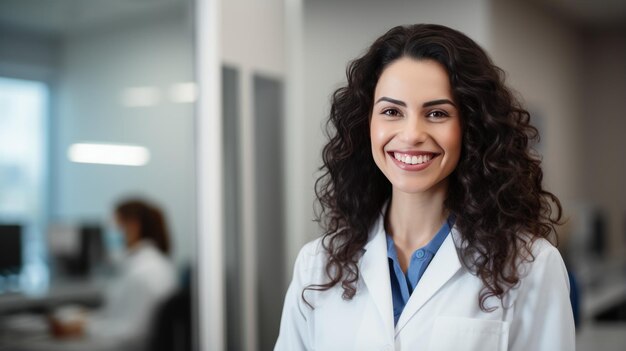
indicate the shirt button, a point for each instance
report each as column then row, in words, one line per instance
column 420, row 253
column 388, row 348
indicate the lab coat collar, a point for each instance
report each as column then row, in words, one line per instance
column 374, row 269
column 375, row 272
column 441, row 269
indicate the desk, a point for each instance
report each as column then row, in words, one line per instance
column 80, row 292
column 36, row 338
column 22, row 330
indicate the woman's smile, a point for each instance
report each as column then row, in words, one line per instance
column 412, row 160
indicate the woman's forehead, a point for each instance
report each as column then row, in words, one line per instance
column 414, row 80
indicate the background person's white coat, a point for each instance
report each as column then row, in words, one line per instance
column 443, row 312
column 147, row 278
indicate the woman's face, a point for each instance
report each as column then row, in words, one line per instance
column 415, row 127
column 131, row 229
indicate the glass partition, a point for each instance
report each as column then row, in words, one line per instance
column 97, row 103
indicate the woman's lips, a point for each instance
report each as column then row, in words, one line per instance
column 412, row 160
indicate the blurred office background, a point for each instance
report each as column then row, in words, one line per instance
column 222, row 104
column 96, row 105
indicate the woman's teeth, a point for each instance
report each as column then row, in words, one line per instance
column 412, row 160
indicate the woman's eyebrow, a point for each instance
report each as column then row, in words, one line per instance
column 393, row 101
column 426, row 104
column 438, row 102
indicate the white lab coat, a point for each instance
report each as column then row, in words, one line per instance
column 442, row 313
column 146, row 278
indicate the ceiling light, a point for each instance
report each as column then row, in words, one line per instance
column 109, row 154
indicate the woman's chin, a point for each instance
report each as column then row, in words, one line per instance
column 418, row 187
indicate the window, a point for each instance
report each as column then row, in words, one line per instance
column 23, row 161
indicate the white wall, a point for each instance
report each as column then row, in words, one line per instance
column 252, row 39
column 96, row 66
column 253, row 35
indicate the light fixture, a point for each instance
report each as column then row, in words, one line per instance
column 184, row 92
column 141, row 96
column 109, row 154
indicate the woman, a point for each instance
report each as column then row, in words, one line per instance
column 147, row 275
column 146, row 278
column 436, row 222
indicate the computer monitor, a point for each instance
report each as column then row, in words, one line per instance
column 91, row 247
column 76, row 249
column 10, row 248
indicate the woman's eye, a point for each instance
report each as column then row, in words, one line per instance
column 391, row 112
column 437, row 114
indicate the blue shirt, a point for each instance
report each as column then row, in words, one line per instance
column 402, row 285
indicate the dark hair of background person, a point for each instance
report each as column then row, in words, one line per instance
column 152, row 225
column 495, row 192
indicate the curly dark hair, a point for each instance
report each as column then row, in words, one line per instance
column 495, row 192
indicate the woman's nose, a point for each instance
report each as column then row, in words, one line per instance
column 414, row 131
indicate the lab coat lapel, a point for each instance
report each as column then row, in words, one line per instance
column 375, row 272
column 442, row 268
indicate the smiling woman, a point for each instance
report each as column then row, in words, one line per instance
column 436, row 221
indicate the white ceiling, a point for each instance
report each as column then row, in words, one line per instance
column 66, row 16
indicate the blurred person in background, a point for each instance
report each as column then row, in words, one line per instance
column 146, row 278
column 437, row 226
